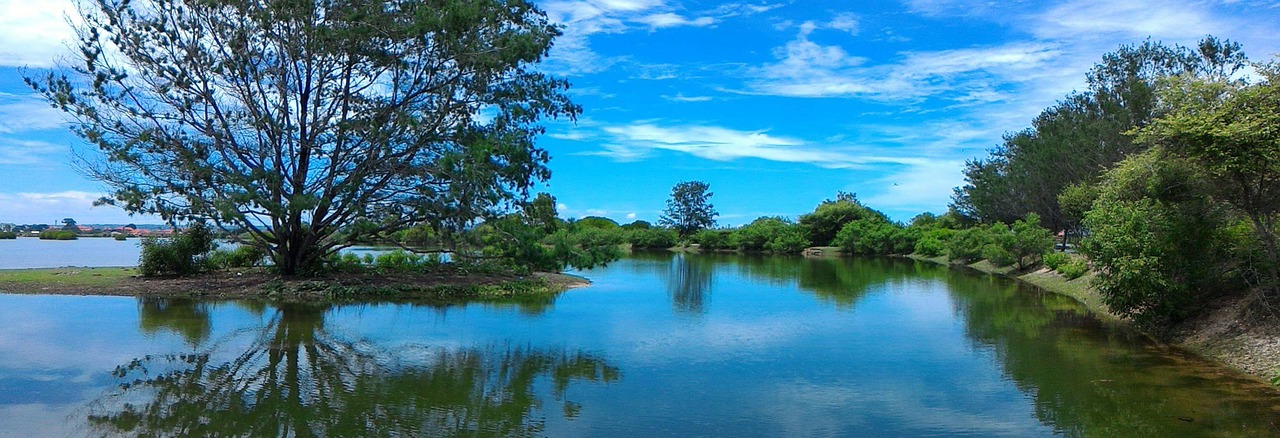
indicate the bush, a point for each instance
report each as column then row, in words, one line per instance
column 771, row 234
column 1074, row 269
column 788, row 241
column 184, row 254
column 933, row 243
column 1028, row 240
column 120, row 237
column 967, row 245
column 659, row 238
column 404, row 261
column 243, row 256
column 713, row 239
column 998, row 255
column 1054, row 259
column 8, row 235
column 58, row 235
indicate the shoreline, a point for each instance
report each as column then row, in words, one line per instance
column 1221, row 335
column 256, row 284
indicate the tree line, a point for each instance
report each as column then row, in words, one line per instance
column 1167, row 170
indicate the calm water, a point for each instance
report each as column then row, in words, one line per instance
column 660, row 345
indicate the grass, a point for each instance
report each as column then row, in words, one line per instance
column 66, row 277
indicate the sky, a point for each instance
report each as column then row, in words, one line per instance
column 777, row 105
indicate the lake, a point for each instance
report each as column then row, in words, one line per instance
column 660, row 345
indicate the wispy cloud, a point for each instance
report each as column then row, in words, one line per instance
column 680, row 97
column 30, row 207
column 34, row 33
column 26, row 152
column 24, row 113
column 636, row 141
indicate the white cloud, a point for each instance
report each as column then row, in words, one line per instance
column 24, row 152
column 1131, row 19
column 680, row 97
column 631, row 216
column 670, row 19
column 34, row 33
column 845, row 22
column 21, row 113
column 636, row 141
column 28, row 207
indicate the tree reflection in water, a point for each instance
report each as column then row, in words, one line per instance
column 688, row 281
column 297, row 379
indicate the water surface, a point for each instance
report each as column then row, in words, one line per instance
column 660, row 345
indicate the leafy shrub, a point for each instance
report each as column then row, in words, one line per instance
column 868, row 236
column 404, row 261
column 788, row 241
column 243, row 256
column 998, row 255
column 713, row 239
column 825, row 222
column 771, row 234
column 58, row 235
column 8, row 235
column 968, row 244
column 652, row 238
column 184, row 254
column 120, row 237
column 933, row 243
column 1074, row 269
column 1054, row 259
column 1157, row 240
column 1028, row 241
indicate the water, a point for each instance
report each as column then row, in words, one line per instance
column 660, row 345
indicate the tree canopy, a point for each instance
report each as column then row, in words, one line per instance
column 689, row 208
column 294, row 120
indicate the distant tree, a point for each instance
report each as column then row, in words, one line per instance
column 69, row 224
column 541, row 212
column 638, row 225
column 312, row 125
column 830, row 216
column 689, row 208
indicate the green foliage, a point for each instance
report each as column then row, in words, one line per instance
column 967, row 245
column 1232, row 133
column 822, row 225
column 689, row 208
column 933, row 243
column 653, row 238
column 184, row 254
column 401, row 261
column 380, row 124
column 595, row 222
column 1073, row 141
column 637, row 225
column 120, row 237
column 243, row 256
column 714, row 240
column 875, row 235
column 1275, row 377
column 58, row 235
column 1074, row 268
column 8, row 235
column 1054, row 259
column 769, row 234
column 1027, row 241
column 512, row 239
column 1156, row 239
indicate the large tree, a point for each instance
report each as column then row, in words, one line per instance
column 1079, row 138
column 1232, row 131
column 689, row 208
column 293, row 120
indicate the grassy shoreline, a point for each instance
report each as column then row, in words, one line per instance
column 259, row 284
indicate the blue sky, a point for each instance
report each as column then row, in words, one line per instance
column 778, row 105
